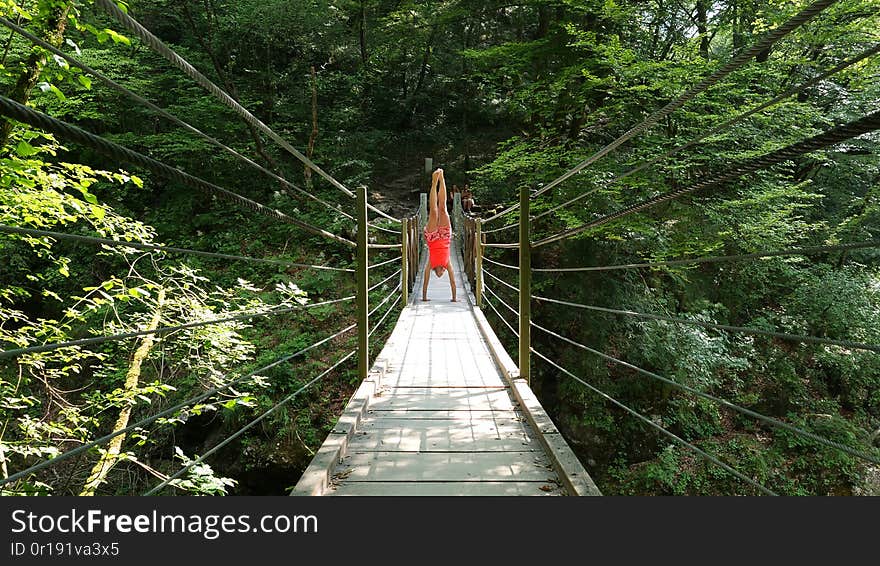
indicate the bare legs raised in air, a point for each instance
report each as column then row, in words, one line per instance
column 437, row 234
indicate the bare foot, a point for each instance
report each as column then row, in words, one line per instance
column 453, row 301
column 425, row 299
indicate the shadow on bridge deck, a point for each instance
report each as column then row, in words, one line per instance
column 443, row 413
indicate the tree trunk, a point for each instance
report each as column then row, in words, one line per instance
column 702, row 21
column 307, row 171
column 56, row 24
column 362, row 32
column 109, row 458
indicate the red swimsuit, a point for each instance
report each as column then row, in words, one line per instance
column 438, row 246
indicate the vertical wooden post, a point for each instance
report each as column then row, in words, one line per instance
column 525, row 287
column 478, row 251
column 404, row 259
column 363, row 296
column 423, row 210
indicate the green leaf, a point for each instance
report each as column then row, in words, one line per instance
column 24, row 149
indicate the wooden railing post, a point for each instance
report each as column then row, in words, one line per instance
column 363, row 296
column 423, row 210
column 404, row 259
column 525, row 287
column 478, row 252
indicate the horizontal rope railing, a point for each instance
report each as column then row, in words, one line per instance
column 170, row 410
column 738, row 329
column 157, row 45
column 158, row 248
column 498, row 314
column 735, row 63
column 503, row 228
column 826, row 139
column 145, row 35
column 248, row 426
column 162, row 330
column 12, row 109
column 505, row 246
column 502, row 301
column 657, row 427
column 723, row 402
column 385, row 300
column 499, row 264
column 384, row 246
column 718, row 259
column 502, row 281
column 718, row 129
column 388, row 311
column 165, row 114
column 386, row 262
column 386, row 280
column 383, row 229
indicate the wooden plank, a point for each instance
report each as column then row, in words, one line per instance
column 439, row 466
column 437, row 399
column 446, row 489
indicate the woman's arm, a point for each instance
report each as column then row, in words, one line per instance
column 451, row 280
column 425, row 278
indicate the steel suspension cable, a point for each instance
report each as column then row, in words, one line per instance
column 182, row 405
column 158, row 248
column 145, row 35
column 717, row 129
column 12, row 109
column 165, row 114
column 718, row 259
column 659, row 428
column 826, row 139
column 383, row 229
column 723, row 402
column 738, row 61
column 248, row 426
column 162, row 330
column 740, row 329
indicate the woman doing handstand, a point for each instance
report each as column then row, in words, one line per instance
column 438, row 233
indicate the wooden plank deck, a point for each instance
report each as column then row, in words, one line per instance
column 437, row 416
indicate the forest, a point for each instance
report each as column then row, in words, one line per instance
column 504, row 96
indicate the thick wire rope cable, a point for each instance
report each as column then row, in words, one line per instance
column 715, row 130
column 383, row 229
column 715, row 259
column 162, row 330
column 738, row 61
column 141, row 423
column 505, row 246
column 158, row 248
column 390, row 309
column 174, row 58
column 831, row 137
column 165, row 114
column 12, row 109
column 723, row 402
column 384, row 246
column 727, row 328
column 248, row 426
column 654, row 425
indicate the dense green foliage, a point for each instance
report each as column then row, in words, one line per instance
column 503, row 95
